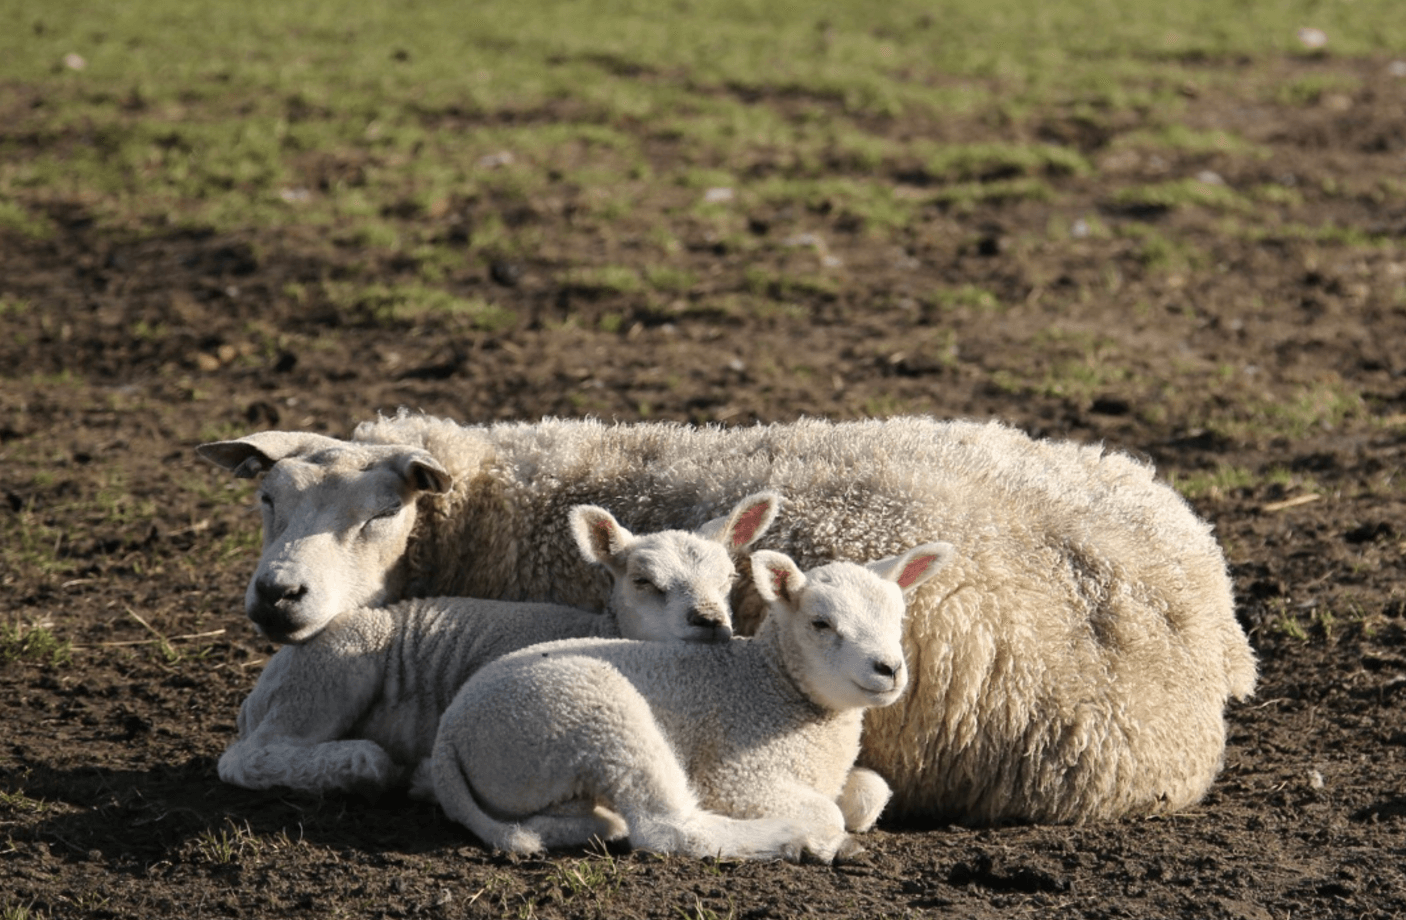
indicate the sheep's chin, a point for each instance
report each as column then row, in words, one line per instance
column 300, row 636
column 876, row 697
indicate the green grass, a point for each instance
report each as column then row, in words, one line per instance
column 411, row 146
column 1182, row 193
column 33, row 643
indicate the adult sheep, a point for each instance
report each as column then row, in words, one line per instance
column 1073, row 664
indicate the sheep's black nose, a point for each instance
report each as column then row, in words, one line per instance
column 886, row 669
column 270, row 593
column 272, row 610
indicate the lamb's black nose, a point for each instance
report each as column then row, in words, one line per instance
column 886, row 669
column 711, row 620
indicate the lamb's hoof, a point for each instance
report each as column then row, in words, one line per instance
column 851, row 851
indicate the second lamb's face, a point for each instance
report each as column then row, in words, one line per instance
column 674, row 586
column 668, row 586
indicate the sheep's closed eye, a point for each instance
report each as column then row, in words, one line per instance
column 644, row 584
column 385, row 513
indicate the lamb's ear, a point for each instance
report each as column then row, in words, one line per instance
column 598, row 535
column 910, row 569
column 249, row 456
column 747, row 521
column 423, row 471
column 777, row 577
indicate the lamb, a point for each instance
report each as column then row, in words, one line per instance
column 1072, row 665
column 353, row 703
column 738, row 750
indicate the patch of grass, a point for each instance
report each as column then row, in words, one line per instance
column 606, row 279
column 1159, row 252
column 1179, row 138
column 967, row 297
column 115, row 504
column 391, row 304
column 1309, row 89
column 227, row 845
column 788, row 287
column 1181, row 193
column 595, row 877
column 700, row 911
column 18, row 219
column 670, row 280
column 1287, row 625
column 965, row 197
column 1322, row 406
column 1213, row 484
column 34, row 643
column 18, row 801
column 855, row 204
column 987, row 163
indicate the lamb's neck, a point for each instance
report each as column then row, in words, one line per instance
column 770, row 646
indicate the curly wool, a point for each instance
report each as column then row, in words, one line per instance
column 1072, row 664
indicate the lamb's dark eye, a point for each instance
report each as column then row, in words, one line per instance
column 384, row 513
column 644, row 584
column 820, row 625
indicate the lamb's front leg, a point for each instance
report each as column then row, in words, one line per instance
column 328, row 766
column 825, row 838
column 294, row 725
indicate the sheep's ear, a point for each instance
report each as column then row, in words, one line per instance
column 249, row 456
column 777, row 577
column 910, row 569
column 598, row 535
column 423, row 471
column 745, row 523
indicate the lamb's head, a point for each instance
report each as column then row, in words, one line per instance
column 337, row 517
column 839, row 627
column 673, row 585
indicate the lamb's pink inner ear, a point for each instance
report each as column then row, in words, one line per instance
column 604, row 532
column 914, row 570
column 778, row 582
column 747, row 524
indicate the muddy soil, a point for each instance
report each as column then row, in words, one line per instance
column 120, row 351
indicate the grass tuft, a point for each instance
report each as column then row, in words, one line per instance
column 34, row 643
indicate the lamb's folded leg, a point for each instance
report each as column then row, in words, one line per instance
column 863, row 799
column 331, row 766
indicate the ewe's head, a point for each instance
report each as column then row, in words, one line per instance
column 840, row 626
column 673, row 584
column 337, row 517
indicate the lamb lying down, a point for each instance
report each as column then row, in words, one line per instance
column 738, row 750
column 356, row 705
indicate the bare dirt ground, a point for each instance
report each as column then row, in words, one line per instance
column 133, row 349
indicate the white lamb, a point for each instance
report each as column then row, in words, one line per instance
column 738, row 750
column 1074, row 664
column 355, row 703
